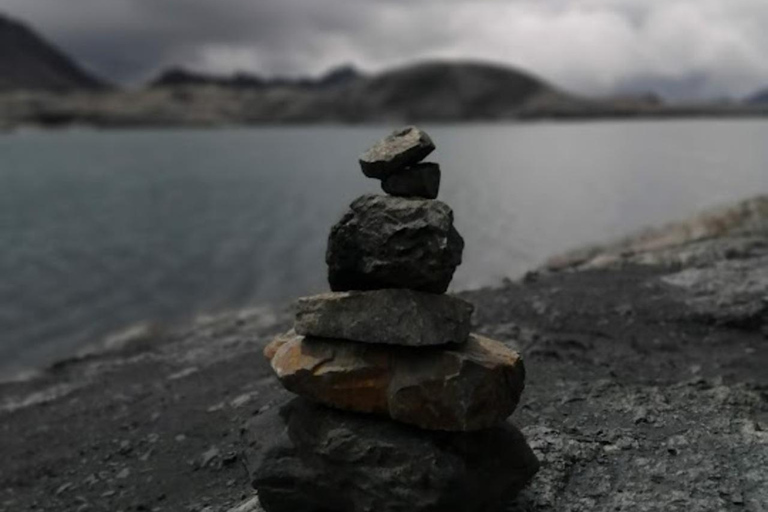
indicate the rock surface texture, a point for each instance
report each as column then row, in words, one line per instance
column 468, row 387
column 420, row 180
column 394, row 242
column 390, row 317
column 307, row 458
column 403, row 148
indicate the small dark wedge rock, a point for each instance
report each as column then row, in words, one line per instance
column 460, row 388
column 389, row 317
column 303, row 457
column 394, row 242
column 403, row 148
column 420, row 180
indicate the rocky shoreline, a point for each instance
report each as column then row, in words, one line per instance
column 646, row 388
column 210, row 106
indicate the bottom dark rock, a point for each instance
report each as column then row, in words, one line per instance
column 304, row 457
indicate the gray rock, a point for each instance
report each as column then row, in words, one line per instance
column 401, row 149
column 209, row 456
column 307, row 458
column 392, row 317
column 394, row 242
column 732, row 293
column 420, row 180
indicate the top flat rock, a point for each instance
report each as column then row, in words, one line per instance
column 402, row 148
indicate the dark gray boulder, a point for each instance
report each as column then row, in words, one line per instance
column 304, row 457
column 392, row 317
column 394, row 242
column 402, row 148
column 420, row 180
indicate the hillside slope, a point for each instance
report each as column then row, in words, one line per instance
column 27, row 62
column 443, row 91
column 432, row 91
column 424, row 91
column 436, row 91
column 180, row 77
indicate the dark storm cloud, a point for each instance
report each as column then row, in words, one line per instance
column 706, row 47
column 132, row 38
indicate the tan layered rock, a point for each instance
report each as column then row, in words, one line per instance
column 389, row 317
column 458, row 388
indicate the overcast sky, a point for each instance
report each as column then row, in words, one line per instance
column 701, row 48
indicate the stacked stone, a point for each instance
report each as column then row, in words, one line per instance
column 390, row 344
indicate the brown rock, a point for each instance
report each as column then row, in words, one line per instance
column 462, row 388
column 393, row 316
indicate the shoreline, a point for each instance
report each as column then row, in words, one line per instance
column 75, row 123
column 75, row 127
column 644, row 247
column 216, row 107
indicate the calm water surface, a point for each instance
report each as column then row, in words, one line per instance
column 101, row 230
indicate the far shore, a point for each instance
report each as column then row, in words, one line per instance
column 217, row 107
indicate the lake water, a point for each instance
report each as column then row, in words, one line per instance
column 101, row 230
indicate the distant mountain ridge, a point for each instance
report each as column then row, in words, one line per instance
column 440, row 90
column 432, row 91
column 424, row 92
column 28, row 62
column 180, row 77
column 759, row 98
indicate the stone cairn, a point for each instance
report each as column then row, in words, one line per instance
column 401, row 408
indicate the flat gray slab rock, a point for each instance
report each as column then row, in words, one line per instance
column 391, row 317
column 307, row 458
column 420, row 180
column 394, row 242
column 403, row 148
column 460, row 388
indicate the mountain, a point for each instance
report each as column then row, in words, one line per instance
column 342, row 75
column 760, row 98
column 436, row 91
column 441, row 91
column 180, row 77
column 427, row 91
column 27, row 62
